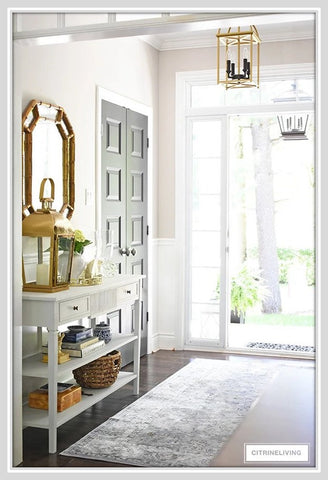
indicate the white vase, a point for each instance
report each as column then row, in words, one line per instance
column 78, row 265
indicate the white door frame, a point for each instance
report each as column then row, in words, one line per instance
column 184, row 83
column 109, row 96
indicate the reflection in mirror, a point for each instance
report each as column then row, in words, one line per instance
column 48, row 151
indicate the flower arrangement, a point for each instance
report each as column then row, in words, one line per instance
column 80, row 242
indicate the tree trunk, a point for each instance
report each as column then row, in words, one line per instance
column 267, row 247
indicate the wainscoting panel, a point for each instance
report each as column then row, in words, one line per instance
column 166, row 323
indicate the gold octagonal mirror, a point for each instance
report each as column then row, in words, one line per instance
column 48, row 152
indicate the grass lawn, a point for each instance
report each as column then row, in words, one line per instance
column 286, row 320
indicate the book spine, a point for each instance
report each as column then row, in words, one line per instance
column 87, row 350
column 76, row 337
column 79, row 353
column 78, row 345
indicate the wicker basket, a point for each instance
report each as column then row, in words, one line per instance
column 101, row 372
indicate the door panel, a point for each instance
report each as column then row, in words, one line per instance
column 113, row 187
column 204, row 232
column 124, row 205
column 137, row 150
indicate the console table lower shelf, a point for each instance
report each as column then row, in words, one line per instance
column 34, row 417
column 53, row 311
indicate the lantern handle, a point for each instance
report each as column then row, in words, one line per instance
column 69, row 209
column 27, row 208
column 47, row 201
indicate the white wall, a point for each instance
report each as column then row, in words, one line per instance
column 68, row 75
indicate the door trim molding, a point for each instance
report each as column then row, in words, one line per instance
column 183, row 111
column 126, row 102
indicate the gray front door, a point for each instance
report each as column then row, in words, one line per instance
column 124, row 204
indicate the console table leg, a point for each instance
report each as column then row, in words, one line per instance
column 52, row 388
column 136, row 348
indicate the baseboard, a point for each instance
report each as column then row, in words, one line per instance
column 165, row 316
column 155, row 342
column 164, row 341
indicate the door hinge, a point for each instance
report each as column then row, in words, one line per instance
column 147, row 317
column 147, row 229
column 147, row 142
column 101, row 129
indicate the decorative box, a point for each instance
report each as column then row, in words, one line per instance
column 65, row 399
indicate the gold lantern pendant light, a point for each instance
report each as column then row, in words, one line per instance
column 241, row 54
column 48, row 241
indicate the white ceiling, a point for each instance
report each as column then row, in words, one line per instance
column 178, row 31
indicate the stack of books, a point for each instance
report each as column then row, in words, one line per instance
column 78, row 335
column 78, row 344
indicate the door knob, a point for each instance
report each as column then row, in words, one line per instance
column 125, row 251
column 133, row 251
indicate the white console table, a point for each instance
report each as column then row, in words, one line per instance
column 53, row 310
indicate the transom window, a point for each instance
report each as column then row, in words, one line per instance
column 294, row 90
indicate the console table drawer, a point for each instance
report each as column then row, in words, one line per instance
column 127, row 292
column 78, row 308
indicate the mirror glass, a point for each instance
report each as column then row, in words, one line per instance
column 48, row 152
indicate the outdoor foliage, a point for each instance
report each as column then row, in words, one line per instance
column 246, row 290
column 288, row 257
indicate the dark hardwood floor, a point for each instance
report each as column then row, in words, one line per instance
column 155, row 368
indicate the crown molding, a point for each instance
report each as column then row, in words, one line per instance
column 208, row 39
column 172, row 32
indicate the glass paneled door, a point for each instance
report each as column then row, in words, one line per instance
column 206, row 231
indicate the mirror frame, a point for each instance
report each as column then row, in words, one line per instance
column 68, row 154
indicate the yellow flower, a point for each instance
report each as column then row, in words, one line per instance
column 80, row 242
column 79, row 237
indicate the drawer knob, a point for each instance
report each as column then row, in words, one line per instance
column 128, row 291
column 75, row 307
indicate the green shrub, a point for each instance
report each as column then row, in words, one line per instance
column 246, row 290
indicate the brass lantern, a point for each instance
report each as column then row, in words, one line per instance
column 48, row 242
column 241, row 53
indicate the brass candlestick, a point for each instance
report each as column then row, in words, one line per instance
column 62, row 357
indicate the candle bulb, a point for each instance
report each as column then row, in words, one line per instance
column 42, row 274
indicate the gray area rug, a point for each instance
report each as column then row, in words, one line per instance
column 182, row 422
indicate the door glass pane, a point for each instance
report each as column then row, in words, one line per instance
column 272, row 247
column 204, row 230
